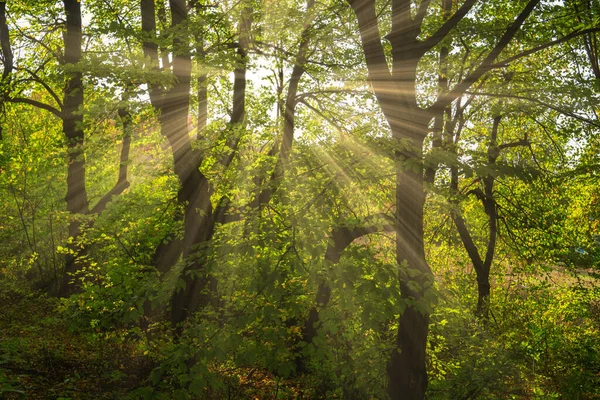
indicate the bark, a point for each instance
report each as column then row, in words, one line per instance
column 162, row 18
column 443, row 113
column 70, row 113
column 488, row 63
column 194, row 192
column 122, row 182
column 481, row 265
column 238, row 114
column 67, row 288
column 76, row 198
column 5, row 43
column 407, row 376
column 237, row 123
column 169, row 250
column 395, row 92
column 73, row 118
column 481, row 270
column 201, row 81
column 590, row 39
column 199, row 219
column 202, row 105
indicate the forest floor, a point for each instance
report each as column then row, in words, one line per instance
column 42, row 358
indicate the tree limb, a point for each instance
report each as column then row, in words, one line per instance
column 421, row 12
column 50, row 91
column 486, row 64
column 540, row 102
column 525, row 53
column 445, row 29
column 37, row 104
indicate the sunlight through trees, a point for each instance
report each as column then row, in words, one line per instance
column 299, row 199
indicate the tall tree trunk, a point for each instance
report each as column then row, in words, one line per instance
column 76, row 198
column 395, row 91
column 407, row 374
column 194, row 191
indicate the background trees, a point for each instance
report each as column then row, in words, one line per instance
column 319, row 199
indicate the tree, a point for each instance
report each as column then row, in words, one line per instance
column 395, row 90
column 172, row 105
column 69, row 110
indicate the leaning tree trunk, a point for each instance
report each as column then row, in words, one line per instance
column 339, row 239
column 194, row 192
column 199, row 218
column 481, row 265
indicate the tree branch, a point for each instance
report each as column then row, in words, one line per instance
column 341, row 237
column 122, row 182
column 445, row 29
column 540, row 102
column 486, row 64
column 523, row 142
column 50, row 91
column 525, row 53
column 37, row 104
column 378, row 71
column 421, row 12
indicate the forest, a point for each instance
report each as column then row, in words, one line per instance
column 300, row 199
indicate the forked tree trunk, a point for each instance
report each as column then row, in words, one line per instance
column 482, row 265
column 194, row 192
column 395, row 90
column 199, row 218
column 72, row 118
column 70, row 112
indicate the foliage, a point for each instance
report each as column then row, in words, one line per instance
column 288, row 210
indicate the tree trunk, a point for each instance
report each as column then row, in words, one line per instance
column 76, row 198
column 289, row 111
column 407, row 374
column 71, row 115
column 202, row 105
column 395, row 90
column 482, row 266
column 195, row 191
